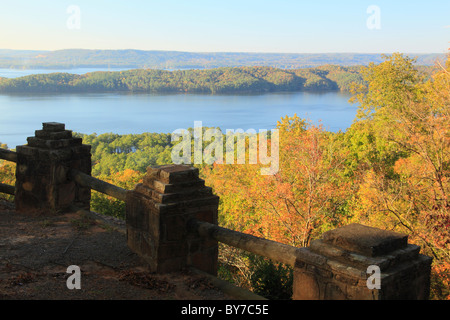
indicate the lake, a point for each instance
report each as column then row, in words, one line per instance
column 21, row 115
column 124, row 113
column 16, row 73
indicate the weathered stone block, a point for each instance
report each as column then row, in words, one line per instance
column 50, row 135
column 43, row 167
column 54, row 144
column 53, row 126
column 205, row 260
column 172, row 173
column 305, row 286
column 166, row 200
column 366, row 240
column 174, row 227
column 66, row 194
column 336, row 267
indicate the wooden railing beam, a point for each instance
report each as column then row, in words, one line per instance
column 5, row 188
column 88, row 181
column 271, row 249
column 8, row 155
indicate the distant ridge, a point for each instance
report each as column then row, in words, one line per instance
column 85, row 58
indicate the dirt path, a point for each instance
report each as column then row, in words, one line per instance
column 36, row 251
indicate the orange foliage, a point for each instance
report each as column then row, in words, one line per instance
column 414, row 197
column 126, row 179
column 391, row 171
column 293, row 206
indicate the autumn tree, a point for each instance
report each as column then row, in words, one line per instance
column 111, row 206
column 304, row 198
column 409, row 121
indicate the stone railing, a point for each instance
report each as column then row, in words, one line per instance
column 171, row 222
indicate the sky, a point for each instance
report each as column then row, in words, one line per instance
column 284, row 26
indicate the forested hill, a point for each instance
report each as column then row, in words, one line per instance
column 219, row 80
column 142, row 59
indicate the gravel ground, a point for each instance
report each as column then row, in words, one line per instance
column 35, row 253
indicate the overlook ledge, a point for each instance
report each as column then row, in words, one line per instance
column 35, row 254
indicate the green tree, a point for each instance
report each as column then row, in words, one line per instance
column 409, row 117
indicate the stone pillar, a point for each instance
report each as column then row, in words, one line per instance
column 158, row 211
column 42, row 183
column 336, row 267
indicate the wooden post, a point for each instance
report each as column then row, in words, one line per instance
column 43, row 184
column 158, row 211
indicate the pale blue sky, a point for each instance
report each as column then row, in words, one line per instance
column 291, row 26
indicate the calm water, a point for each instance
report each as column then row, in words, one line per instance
column 137, row 113
column 16, row 73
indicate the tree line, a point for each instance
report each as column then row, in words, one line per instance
column 210, row 81
column 137, row 59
